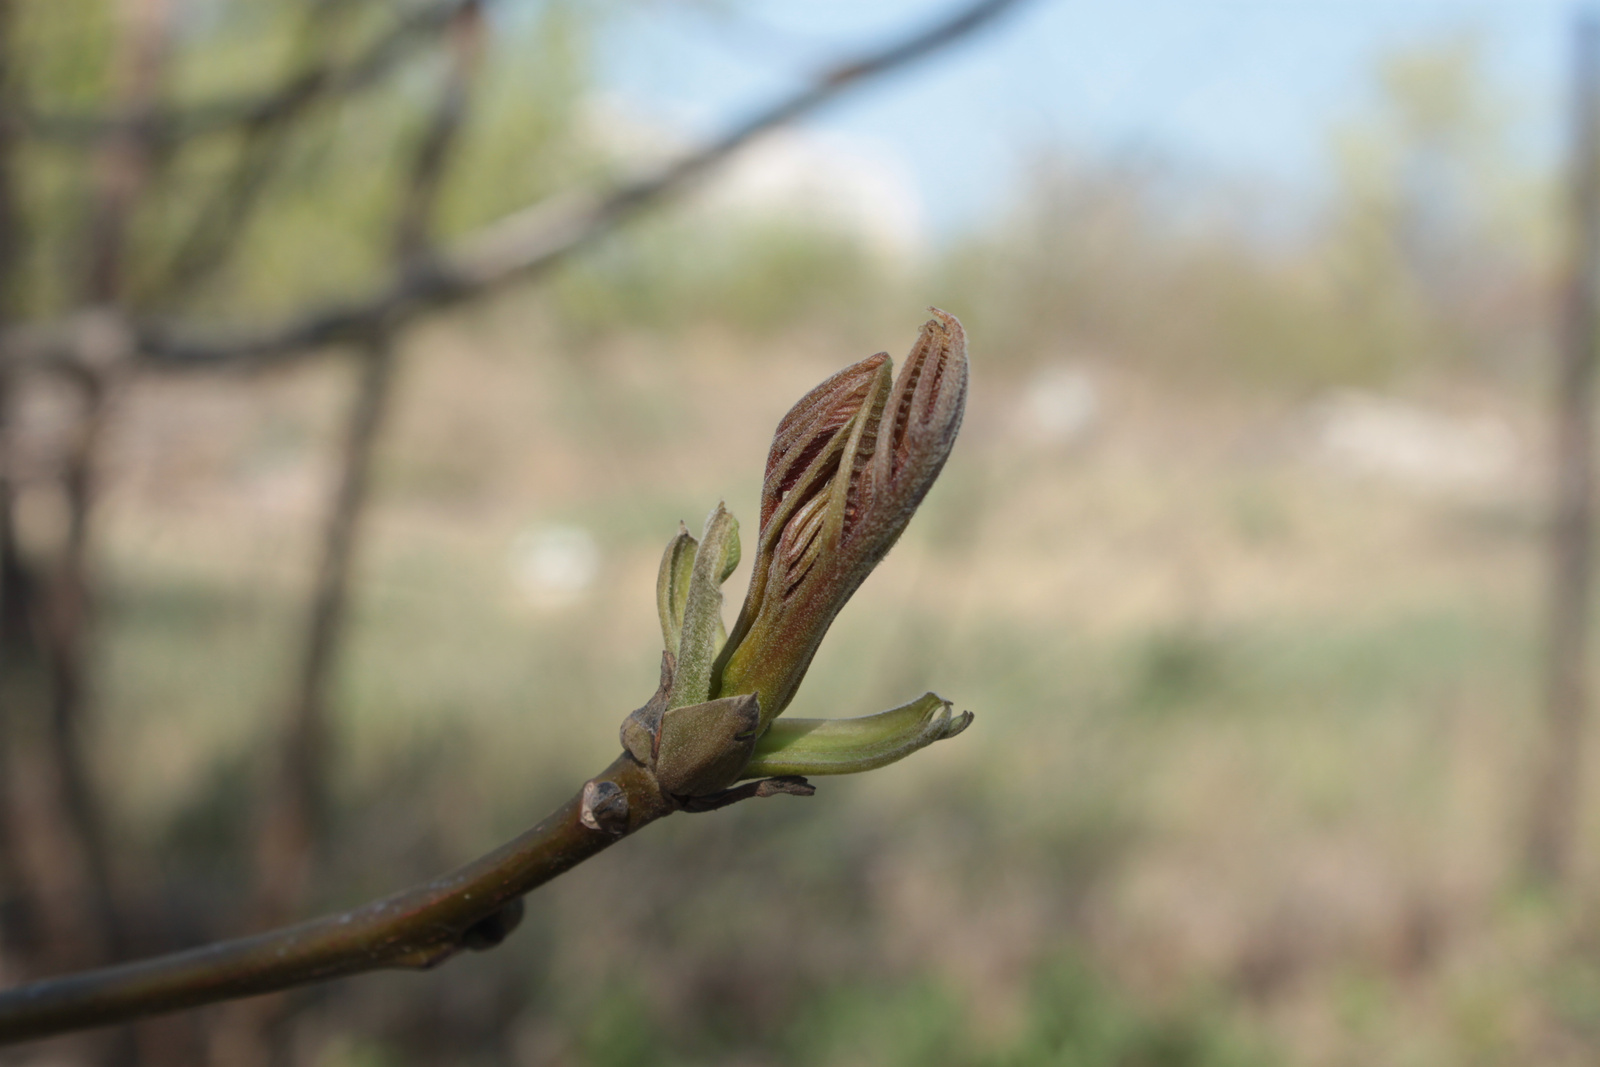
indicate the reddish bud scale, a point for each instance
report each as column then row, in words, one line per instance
column 848, row 466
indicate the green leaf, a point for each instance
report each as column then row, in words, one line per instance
column 848, row 746
column 672, row 586
column 702, row 634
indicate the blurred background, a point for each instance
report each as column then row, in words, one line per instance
column 1243, row 560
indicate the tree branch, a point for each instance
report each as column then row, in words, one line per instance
column 294, row 808
column 164, row 126
column 65, row 602
column 417, row 928
column 223, row 219
column 521, row 245
column 1557, row 788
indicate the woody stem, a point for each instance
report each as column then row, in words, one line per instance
column 418, row 927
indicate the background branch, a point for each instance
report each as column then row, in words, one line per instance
column 325, row 81
column 219, row 225
column 17, row 908
column 1554, row 812
column 121, row 167
column 522, row 245
column 297, row 803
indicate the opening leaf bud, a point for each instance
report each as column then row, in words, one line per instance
column 848, row 466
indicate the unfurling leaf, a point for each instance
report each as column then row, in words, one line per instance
column 672, row 586
column 848, row 746
column 848, row 466
column 714, row 559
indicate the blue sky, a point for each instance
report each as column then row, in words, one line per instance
column 1247, row 87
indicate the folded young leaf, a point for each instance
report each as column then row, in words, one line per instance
column 848, row 746
column 672, row 586
column 703, row 634
column 848, row 466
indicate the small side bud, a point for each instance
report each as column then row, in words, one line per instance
column 604, row 807
column 703, row 747
column 767, row 787
column 489, row 931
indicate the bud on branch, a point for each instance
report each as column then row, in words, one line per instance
column 849, row 465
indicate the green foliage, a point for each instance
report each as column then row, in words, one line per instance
column 1176, row 666
column 906, row 1024
column 1073, row 1019
column 755, row 275
column 620, row 1032
column 1078, row 1021
column 66, row 50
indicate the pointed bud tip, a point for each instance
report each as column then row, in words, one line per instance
column 947, row 321
column 956, row 724
column 848, row 466
column 952, row 337
column 943, row 723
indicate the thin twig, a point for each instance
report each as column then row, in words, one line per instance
column 121, row 168
column 519, row 246
column 11, row 238
column 294, row 818
column 221, row 222
column 17, row 909
column 123, row 158
column 417, row 928
column 1556, row 793
column 296, row 804
column 165, row 126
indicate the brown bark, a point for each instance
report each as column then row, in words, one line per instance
column 418, row 928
